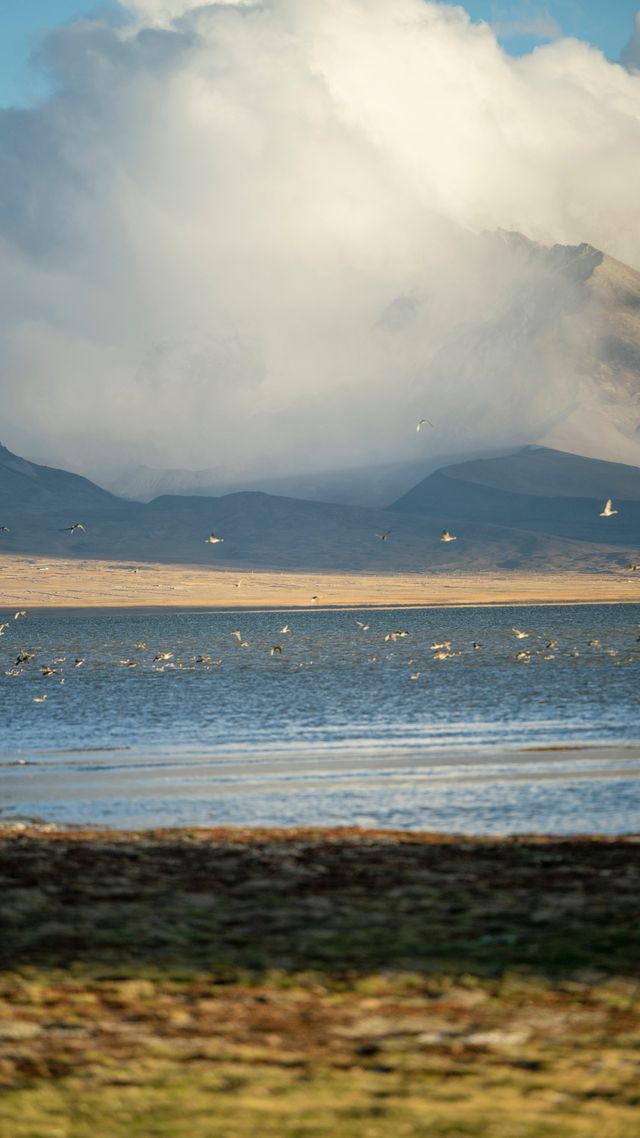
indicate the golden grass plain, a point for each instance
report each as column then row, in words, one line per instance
column 56, row 583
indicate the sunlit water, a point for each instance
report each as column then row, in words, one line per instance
column 341, row 727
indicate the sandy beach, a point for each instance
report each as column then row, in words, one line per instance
column 50, row 583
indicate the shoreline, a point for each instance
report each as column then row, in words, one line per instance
column 248, row 835
column 292, row 792
column 68, row 586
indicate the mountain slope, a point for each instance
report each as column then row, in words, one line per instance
column 276, row 532
column 539, row 490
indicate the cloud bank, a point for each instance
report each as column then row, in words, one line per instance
column 253, row 236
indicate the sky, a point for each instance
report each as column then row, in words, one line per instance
column 521, row 24
column 265, row 233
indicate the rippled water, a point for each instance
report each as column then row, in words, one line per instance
column 342, row 726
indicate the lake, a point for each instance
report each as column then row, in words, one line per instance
column 346, row 725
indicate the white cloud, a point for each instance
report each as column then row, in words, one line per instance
column 204, row 232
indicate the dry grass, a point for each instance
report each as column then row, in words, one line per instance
column 31, row 582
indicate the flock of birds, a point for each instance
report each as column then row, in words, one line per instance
column 26, row 660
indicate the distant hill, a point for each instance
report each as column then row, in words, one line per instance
column 277, row 532
column 539, row 490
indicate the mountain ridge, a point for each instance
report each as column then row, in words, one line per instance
column 272, row 531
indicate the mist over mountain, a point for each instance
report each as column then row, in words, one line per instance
column 566, row 329
column 265, row 239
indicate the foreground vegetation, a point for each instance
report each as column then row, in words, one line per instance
column 221, row 984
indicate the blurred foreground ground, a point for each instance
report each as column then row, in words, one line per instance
column 298, row 984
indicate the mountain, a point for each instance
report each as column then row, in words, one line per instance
column 30, row 493
column 606, row 418
column 538, row 490
column 495, row 528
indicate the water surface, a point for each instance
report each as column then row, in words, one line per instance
column 340, row 727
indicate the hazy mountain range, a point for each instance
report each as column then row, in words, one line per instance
column 535, row 509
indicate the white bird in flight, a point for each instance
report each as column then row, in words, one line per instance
column 446, row 536
column 608, row 511
column 519, row 634
column 424, row 423
column 213, row 540
column 74, row 527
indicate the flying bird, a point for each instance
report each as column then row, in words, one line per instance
column 20, row 614
column 74, row 527
column 285, row 628
column 393, row 636
column 519, row 634
column 163, row 656
column 4, row 529
column 384, row 536
column 424, row 423
column 238, row 635
column 446, row 536
column 361, row 624
column 608, row 511
column 212, row 539
column 276, row 650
